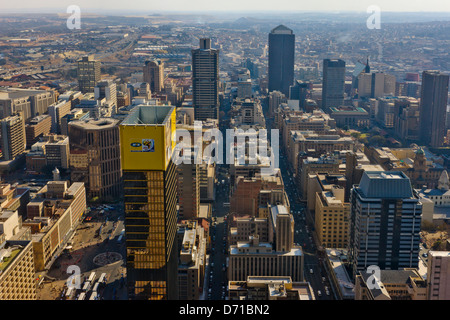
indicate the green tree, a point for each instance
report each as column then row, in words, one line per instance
column 377, row 140
column 356, row 135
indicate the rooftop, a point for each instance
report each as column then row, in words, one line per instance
column 281, row 29
column 95, row 124
column 345, row 284
column 385, row 184
column 148, row 115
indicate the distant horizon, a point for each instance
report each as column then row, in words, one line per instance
column 140, row 12
column 230, row 6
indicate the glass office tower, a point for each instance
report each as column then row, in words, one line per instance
column 150, row 188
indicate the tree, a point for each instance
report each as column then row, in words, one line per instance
column 377, row 140
column 356, row 134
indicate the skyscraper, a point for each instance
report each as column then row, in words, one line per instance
column 433, row 107
column 385, row 222
column 150, row 190
column 333, row 83
column 95, row 156
column 438, row 275
column 107, row 89
column 13, row 138
column 205, row 81
column 154, row 75
column 88, row 74
column 281, row 59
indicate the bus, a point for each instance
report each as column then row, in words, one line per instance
column 93, row 296
column 102, row 278
column 95, row 287
column 91, row 277
column 82, row 296
column 86, row 286
column 69, row 293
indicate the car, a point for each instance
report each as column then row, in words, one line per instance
column 311, row 271
column 323, row 279
column 425, row 255
column 319, row 293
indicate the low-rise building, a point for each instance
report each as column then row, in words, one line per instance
column 63, row 208
column 269, row 288
column 406, row 284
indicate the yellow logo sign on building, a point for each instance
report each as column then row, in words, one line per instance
column 146, row 138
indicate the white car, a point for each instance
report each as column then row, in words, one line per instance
column 311, row 271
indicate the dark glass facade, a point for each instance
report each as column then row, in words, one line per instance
column 281, row 59
column 151, row 226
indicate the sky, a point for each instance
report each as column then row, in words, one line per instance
column 146, row 6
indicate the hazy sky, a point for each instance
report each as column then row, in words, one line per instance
column 227, row 5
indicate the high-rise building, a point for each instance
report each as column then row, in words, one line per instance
column 244, row 89
column 281, row 258
column 191, row 269
column 433, row 107
column 107, row 89
column 154, row 75
column 95, row 156
column 88, row 74
column 299, row 91
column 333, row 83
column 385, row 222
column 205, row 81
column 438, row 275
column 376, row 84
column 331, row 218
column 188, row 190
column 276, row 98
column 52, row 150
column 150, row 190
column 37, row 127
column 17, row 274
column 31, row 102
column 13, row 138
column 281, row 59
column 57, row 111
